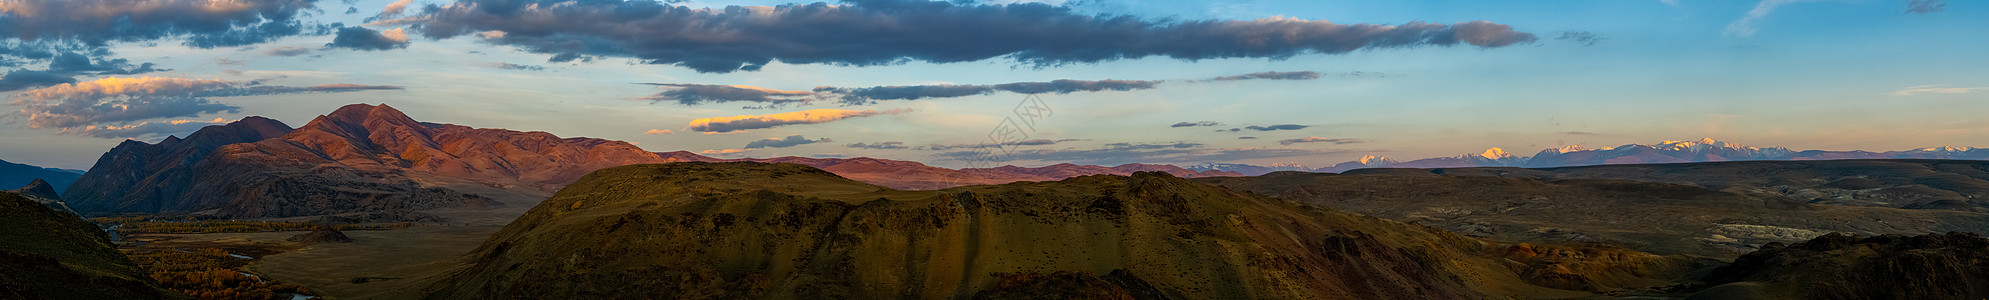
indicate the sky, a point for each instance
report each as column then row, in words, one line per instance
column 1313, row 82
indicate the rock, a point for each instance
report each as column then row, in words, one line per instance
column 321, row 235
column 1838, row 266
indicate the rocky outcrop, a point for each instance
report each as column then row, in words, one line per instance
column 47, row 254
column 753, row 230
column 41, row 192
column 320, row 236
column 1837, row 266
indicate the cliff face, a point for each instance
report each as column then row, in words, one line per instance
column 48, row 254
column 752, row 230
column 1837, row 266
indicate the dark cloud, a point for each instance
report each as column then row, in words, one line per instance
column 886, row 32
column 352, row 10
column 1581, row 37
column 1926, row 6
column 25, row 79
column 362, row 38
column 512, row 66
column 1034, row 142
column 1194, row 124
column 1267, row 128
column 288, row 51
column 1274, row 75
column 789, row 141
column 1314, row 139
column 915, row 92
column 890, row 145
column 77, row 63
column 1246, row 137
column 693, row 94
column 1146, row 146
column 205, row 24
column 115, row 102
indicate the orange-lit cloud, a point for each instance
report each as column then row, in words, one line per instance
column 813, row 116
column 115, row 102
column 659, row 131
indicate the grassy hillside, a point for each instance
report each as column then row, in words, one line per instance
column 46, row 254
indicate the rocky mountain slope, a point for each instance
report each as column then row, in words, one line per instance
column 48, row 254
column 1836, row 266
column 14, row 174
column 44, row 193
column 1721, row 212
column 753, row 230
column 140, row 177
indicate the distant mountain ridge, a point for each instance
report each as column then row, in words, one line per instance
column 16, row 174
column 1704, row 150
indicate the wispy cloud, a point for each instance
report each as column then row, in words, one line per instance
column 882, row 32
column 1744, row 27
column 1267, row 128
column 1936, row 89
column 1314, row 139
column 1195, row 124
column 813, row 116
column 694, row 94
column 1926, row 6
column 886, row 145
column 1120, row 153
column 362, row 38
column 659, row 132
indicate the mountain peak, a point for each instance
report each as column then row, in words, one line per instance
column 38, row 188
column 1495, row 153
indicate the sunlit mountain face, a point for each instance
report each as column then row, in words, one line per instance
column 1267, row 149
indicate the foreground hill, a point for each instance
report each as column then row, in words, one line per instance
column 753, row 230
column 1710, row 209
column 1836, row 266
column 14, row 174
column 49, row 254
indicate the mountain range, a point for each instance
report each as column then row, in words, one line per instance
column 262, row 168
column 17, row 175
column 1704, row 150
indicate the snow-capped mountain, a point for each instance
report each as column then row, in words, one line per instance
column 1250, row 170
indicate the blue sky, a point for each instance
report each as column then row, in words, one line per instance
column 1833, row 75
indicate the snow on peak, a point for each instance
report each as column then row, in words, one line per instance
column 1495, row 153
column 1372, row 159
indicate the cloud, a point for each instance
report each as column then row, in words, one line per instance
column 362, row 38
column 511, row 66
column 890, row 145
column 887, row 32
column 658, row 131
column 74, row 63
column 393, row 10
column 1194, row 124
column 813, row 116
column 724, row 151
column 1744, row 27
column 693, row 94
column 789, row 141
column 1246, row 137
column 1926, row 6
column 1273, row 75
column 1121, row 153
column 119, row 100
column 142, row 129
column 1936, row 89
column 25, row 79
column 1314, row 139
column 203, row 23
column 288, row 51
column 1034, row 142
column 1581, row 37
column 1267, row 128
column 1577, row 133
